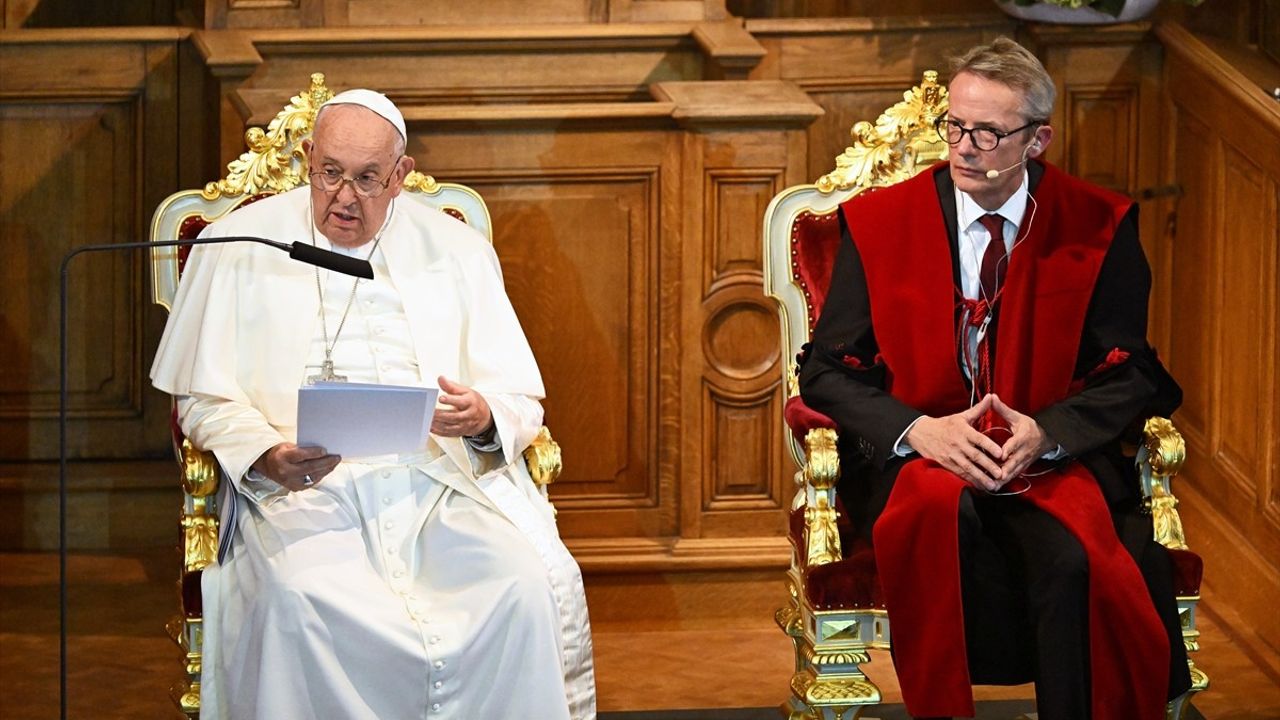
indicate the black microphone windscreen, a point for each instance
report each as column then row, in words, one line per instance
column 330, row 260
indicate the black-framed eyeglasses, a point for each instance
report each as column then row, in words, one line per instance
column 984, row 138
column 366, row 186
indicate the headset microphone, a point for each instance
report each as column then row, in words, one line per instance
column 993, row 174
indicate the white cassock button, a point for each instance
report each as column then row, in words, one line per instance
column 435, row 707
column 434, row 639
column 398, row 574
column 388, row 524
column 391, row 551
column 439, row 664
column 439, row 684
column 386, row 474
column 386, row 501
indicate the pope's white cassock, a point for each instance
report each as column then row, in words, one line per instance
column 427, row 585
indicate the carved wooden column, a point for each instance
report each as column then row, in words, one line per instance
column 743, row 142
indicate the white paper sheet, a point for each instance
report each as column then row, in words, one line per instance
column 361, row 419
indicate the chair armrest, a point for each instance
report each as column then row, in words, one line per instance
column 543, row 458
column 802, row 419
column 1160, row 457
column 199, row 520
column 821, row 472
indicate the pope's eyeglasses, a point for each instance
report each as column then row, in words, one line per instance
column 366, row 186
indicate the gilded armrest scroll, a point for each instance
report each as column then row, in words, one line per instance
column 543, row 458
column 821, row 471
column 199, row 518
column 1160, row 458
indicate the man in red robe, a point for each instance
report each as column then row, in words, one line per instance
column 983, row 351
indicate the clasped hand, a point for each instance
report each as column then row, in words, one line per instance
column 956, row 443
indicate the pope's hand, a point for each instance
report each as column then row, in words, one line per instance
column 292, row 466
column 460, row 411
column 955, row 443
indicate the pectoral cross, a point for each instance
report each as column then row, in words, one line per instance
column 326, row 374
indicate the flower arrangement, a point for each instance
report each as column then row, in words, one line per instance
column 1110, row 7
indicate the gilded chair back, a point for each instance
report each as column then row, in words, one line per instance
column 801, row 227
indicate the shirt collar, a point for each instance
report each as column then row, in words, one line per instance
column 968, row 211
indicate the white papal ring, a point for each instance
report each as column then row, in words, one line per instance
column 306, row 480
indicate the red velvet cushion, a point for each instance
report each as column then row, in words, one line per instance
column 1187, row 571
column 814, row 241
column 192, row 600
column 801, row 418
column 847, row 583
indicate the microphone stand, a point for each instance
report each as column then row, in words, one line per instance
column 298, row 251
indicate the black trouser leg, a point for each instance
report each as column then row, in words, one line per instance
column 1056, row 573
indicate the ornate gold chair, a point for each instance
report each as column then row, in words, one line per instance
column 835, row 613
column 274, row 162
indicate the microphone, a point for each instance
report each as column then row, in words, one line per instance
column 993, row 174
column 310, row 254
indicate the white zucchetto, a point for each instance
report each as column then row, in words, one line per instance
column 375, row 101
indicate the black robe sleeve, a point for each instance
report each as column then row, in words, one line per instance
column 841, row 375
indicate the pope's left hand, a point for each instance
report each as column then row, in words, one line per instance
column 1027, row 443
column 460, row 411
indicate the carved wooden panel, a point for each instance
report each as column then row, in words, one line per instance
column 449, row 70
column 87, row 149
column 1191, row 348
column 445, row 12
column 579, row 215
column 577, row 257
column 1103, row 132
column 1225, row 306
column 91, row 168
column 738, row 199
column 1247, row 270
column 742, row 402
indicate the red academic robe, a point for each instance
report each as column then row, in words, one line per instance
column 909, row 279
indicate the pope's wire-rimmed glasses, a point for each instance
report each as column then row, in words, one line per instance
column 986, row 139
column 366, row 186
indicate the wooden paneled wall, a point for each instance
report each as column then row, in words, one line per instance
column 1224, row 280
column 88, row 146
column 368, row 13
column 856, row 67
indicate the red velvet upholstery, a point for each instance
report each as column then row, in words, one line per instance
column 814, row 241
column 1188, row 568
column 801, row 418
column 191, row 227
column 847, row 583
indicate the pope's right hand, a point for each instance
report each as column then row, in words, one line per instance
column 292, row 466
column 955, row 443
